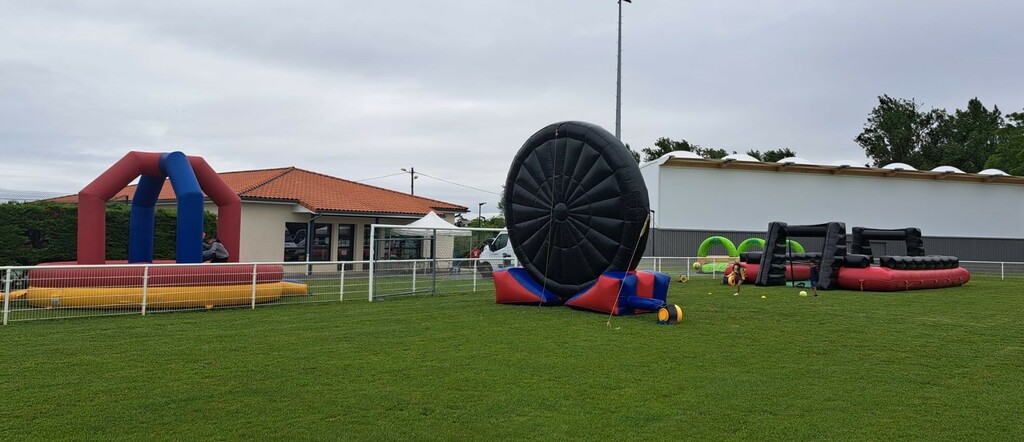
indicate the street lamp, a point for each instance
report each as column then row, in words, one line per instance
column 479, row 217
column 412, row 178
column 618, row 79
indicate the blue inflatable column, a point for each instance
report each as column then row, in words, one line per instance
column 190, row 206
column 143, row 219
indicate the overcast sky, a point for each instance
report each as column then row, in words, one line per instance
column 454, row 87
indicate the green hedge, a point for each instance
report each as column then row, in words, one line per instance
column 32, row 233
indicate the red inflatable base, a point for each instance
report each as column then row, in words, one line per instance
column 48, row 275
column 513, row 286
column 884, row 279
column 802, row 272
column 624, row 293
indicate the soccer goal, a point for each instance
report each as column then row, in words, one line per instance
column 407, row 260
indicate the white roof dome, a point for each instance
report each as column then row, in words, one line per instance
column 793, row 160
column 847, row 163
column 898, row 166
column 682, row 154
column 993, row 172
column 947, row 169
column 741, row 157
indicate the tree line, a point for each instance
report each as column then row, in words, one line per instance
column 31, row 233
column 902, row 131
column 972, row 139
column 665, row 145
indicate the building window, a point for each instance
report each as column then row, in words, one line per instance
column 396, row 247
column 402, row 247
column 346, row 237
column 296, row 238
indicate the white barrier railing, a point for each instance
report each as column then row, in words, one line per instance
column 54, row 292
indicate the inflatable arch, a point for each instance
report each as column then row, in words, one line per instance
column 730, row 248
column 190, row 177
column 748, row 243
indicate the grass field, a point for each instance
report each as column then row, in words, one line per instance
column 940, row 364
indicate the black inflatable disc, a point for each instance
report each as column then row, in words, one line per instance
column 575, row 206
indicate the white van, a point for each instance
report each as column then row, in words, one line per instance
column 497, row 254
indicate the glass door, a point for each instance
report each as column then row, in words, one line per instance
column 346, row 238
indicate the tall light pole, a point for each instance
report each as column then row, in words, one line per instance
column 412, row 179
column 479, row 216
column 618, row 80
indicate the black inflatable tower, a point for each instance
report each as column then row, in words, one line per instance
column 774, row 259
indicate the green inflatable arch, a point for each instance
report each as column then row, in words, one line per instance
column 730, row 248
column 748, row 243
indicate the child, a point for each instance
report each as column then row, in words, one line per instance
column 216, row 251
column 815, row 273
column 739, row 270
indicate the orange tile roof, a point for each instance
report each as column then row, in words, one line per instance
column 314, row 191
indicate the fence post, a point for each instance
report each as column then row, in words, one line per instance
column 341, row 284
column 145, row 287
column 1002, row 271
column 414, row 276
column 688, row 268
column 369, row 288
column 254, row 286
column 7, row 294
column 474, row 276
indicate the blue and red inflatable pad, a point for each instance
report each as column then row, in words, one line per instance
column 619, row 293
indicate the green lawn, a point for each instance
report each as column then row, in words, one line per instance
column 940, row 364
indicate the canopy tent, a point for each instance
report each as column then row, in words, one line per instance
column 431, row 225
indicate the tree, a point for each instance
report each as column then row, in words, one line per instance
column 665, row 145
column 967, row 138
column 898, row 131
column 1008, row 155
column 771, row 156
column 712, row 154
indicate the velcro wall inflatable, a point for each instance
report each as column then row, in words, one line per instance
column 577, row 213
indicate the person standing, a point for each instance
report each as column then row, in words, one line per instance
column 739, row 272
column 474, row 254
column 815, row 274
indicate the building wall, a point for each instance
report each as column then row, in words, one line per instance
column 263, row 224
column 745, row 200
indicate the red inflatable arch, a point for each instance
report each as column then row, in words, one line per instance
column 92, row 225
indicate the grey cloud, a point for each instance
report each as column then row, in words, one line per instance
column 453, row 88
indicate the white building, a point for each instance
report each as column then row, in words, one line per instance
column 974, row 216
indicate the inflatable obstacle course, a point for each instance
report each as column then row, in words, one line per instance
column 854, row 271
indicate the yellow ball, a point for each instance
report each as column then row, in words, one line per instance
column 803, row 293
column 696, row 266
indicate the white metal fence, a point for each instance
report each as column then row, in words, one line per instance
column 56, row 292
